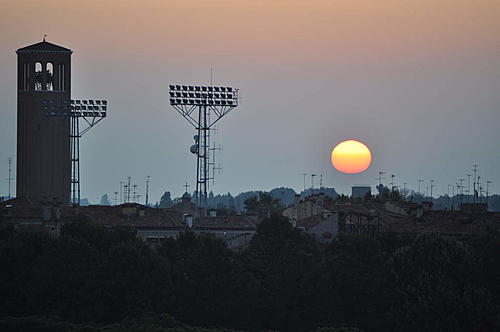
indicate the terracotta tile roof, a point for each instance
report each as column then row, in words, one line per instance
column 225, row 222
column 309, row 222
column 131, row 214
column 447, row 222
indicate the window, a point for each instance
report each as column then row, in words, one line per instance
column 61, row 77
column 26, row 76
column 38, row 76
column 49, row 78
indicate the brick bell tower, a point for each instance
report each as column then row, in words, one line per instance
column 43, row 143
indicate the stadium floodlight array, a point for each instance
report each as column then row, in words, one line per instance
column 203, row 95
column 76, row 108
column 91, row 111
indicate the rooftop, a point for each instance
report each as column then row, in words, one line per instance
column 44, row 46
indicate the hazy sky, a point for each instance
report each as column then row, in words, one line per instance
column 418, row 81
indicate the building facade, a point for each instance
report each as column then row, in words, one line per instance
column 43, row 143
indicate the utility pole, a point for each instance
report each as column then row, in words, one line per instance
column 487, row 190
column 135, row 197
column 128, row 190
column 147, row 190
column 449, row 205
column 304, row 174
column 432, row 186
column 468, row 187
column 479, row 188
column 392, row 181
column 312, row 183
column 453, row 205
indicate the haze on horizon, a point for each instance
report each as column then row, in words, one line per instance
column 416, row 80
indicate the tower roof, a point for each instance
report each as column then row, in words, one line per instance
column 44, row 46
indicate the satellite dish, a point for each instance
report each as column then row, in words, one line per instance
column 194, row 149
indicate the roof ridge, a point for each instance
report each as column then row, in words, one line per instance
column 44, row 46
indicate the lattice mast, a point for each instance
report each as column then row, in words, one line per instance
column 91, row 112
column 202, row 107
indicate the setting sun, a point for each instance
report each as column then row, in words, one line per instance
column 351, row 157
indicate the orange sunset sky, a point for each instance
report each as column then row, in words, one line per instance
column 416, row 80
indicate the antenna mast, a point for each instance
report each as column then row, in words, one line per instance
column 312, row 183
column 380, row 178
column 147, row 190
column 432, row 186
column 474, row 182
column 420, row 182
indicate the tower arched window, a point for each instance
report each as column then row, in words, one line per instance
column 61, row 77
column 26, row 76
column 38, row 76
column 49, row 77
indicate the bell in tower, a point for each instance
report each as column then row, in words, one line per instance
column 43, row 143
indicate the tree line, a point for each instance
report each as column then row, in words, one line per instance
column 97, row 279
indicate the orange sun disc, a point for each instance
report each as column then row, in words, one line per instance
column 351, row 157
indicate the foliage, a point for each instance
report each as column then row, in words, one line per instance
column 166, row 200
column 98, row 279
column 264, row 202
column 105, row 200
column 150, row 323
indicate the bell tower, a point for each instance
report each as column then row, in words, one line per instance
column 43, row 143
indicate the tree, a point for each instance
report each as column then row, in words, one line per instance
column 264, row 203
column 166, row 200
column 105, row 200
column 437, row 277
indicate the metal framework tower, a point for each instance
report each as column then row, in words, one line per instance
column 202, row 107
column 91, row 112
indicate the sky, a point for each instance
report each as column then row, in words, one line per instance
column 416, row 80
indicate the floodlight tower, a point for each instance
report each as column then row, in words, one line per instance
column 90, row 113
column 202, row 107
